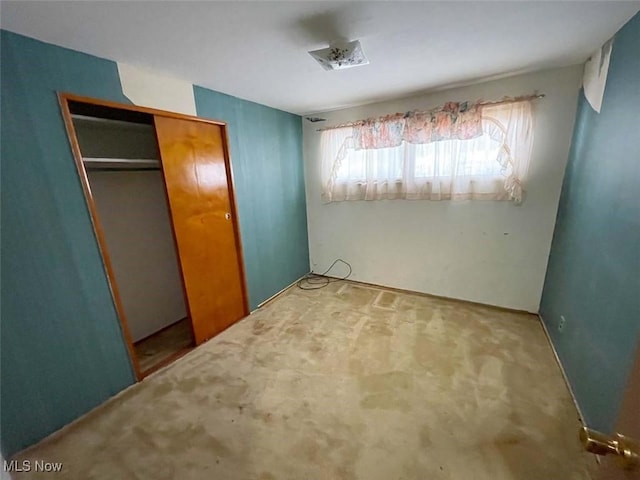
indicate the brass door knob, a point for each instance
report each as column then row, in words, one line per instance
column 599, row 443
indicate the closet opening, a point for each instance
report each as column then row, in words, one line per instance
column 121, row 170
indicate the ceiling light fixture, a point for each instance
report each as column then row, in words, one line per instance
column 340, row 56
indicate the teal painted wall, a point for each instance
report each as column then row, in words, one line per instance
column 269, row 185
column 593, row 277
column 62, row 351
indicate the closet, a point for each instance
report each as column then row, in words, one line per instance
column 159, row 189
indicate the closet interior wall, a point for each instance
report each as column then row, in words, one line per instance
column 129, row 194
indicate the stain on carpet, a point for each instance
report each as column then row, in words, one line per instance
column 347, row 382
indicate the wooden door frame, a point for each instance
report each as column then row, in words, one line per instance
column 64, row 99
column 627, row 423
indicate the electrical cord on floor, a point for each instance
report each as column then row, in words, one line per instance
column 316, row 281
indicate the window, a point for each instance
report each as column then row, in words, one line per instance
column 386, row 162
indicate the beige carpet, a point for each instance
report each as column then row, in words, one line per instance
column 160, row 346
column 347, row 382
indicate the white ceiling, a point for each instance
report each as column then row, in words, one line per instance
column 258, row 50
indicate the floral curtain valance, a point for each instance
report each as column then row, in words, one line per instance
column 385, row 132
column 457, row 151
column 452, row 121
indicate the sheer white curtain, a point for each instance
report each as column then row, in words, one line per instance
column 493, row 165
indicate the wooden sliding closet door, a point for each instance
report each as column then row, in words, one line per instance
column 198, row 180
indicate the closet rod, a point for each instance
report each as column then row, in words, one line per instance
column 115, row 169
column 121, row 164
column 111, row 122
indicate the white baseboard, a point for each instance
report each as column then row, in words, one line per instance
column 564, row 374
column 272, row 297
